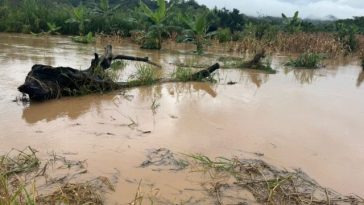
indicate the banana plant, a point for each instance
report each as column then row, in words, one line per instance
column 79, row 16
column 197, row 31
column 104, row 9
column 53, row 29
column 292, row 24
column 157, row 17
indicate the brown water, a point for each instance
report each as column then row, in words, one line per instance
column 312, row 120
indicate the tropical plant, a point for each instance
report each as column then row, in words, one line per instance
column 80, row 17
column 197, row 31
column 346, row 35
column 104, row 9
column 53, row 29
column 89, row 38
column 292, row 24
column 153, row 37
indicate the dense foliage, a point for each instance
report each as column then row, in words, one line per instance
column 155, row 20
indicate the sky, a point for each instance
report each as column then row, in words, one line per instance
column 318, row 9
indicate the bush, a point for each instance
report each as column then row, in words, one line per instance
column 346, row 35
column 307, row 60
column 223, row 35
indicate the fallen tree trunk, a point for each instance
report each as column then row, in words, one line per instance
column 45, row 82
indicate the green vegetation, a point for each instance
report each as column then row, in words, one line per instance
column 150, row 22
column 347, row 36
column 14, row 163
column 79, row 15
column 307, row 60
column 182, row 74
column 293, row 24
column 197, row 31
column 145, row 75
column 153, row 36
column 89, row 38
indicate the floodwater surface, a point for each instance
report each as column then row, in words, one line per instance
column 307, row 119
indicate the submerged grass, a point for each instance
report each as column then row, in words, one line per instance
column 182, row 74
column 20, row 169
column 12, row 190
column 145, row 75
column 89, row 38
column 18, row 161
column 268, row 184
column 307, row 60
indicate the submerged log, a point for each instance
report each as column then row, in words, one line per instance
column 45, row 82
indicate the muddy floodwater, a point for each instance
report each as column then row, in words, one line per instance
column 307, row 119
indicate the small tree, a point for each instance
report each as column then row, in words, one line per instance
column 155, row 31
column 292, row 24
column 79, row 16
column 346, row 35
column 197, row 31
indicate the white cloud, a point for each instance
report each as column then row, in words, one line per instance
column 307, row 8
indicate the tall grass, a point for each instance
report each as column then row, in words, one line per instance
column 145, row 75
column 182, row 74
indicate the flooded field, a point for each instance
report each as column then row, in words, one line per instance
column 306, row 119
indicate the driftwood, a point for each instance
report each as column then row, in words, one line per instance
column 45, row 82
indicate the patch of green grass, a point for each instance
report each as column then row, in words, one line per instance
column 145, row 75
column 182, row 74
column 307, row 60
column 89, row 38
column 118, row 65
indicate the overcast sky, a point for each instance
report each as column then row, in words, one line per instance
column 307, row 8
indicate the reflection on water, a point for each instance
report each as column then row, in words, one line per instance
column 71, row 108
column 74, row 107
column 360, row 79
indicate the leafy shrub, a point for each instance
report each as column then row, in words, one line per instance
column 307, row 60
column 223, row 35
column 346, row 35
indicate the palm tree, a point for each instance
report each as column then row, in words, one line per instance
column 157, row 17
column 79, row 16
column 197, row 31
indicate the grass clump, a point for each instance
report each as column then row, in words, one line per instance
column 89, row 38
column 145, row 75
column 23, row 162
column 17, row 162
column 182, row 74
column 118, row 65
column 307, row 60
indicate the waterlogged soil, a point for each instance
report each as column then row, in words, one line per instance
column 307, row 119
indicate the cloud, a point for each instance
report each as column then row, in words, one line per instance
column 307, row 8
